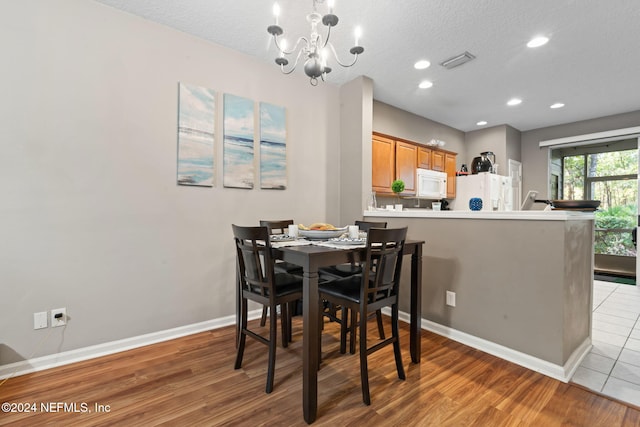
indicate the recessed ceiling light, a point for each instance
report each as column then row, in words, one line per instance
column 425, row 84
column 422, row 64
column 482, row 123
column 557, row 105
column 514, row 101
column 537, row 41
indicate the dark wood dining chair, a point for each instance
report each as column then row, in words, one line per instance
column 260, row 283
column 345, row 270
column 279, row 227
column 375, row 288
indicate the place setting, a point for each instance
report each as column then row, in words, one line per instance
column 320, row 234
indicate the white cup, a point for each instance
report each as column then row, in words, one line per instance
column 436, row 206
column 399, row 208
column 293, row 230
column 390, row 207
column 354, row 231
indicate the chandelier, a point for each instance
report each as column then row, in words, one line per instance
column 315, row 49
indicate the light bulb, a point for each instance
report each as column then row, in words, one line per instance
column 358, row 33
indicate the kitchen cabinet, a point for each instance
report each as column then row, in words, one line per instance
column 450, row 169
column 406, row 160
column 437, row 160
column 395, row 158
column 424, row 157
column 383, row 164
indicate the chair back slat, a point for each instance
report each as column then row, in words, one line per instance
column 366, row 225
column 254, row 260
column 277, row 227
column 384, row 258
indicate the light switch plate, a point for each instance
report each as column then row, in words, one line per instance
column 40, row 320
column 451, row 298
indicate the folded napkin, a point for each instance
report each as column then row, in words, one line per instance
column 337, row 245
column 298, row 242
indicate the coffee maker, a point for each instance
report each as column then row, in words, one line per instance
column 484, row 163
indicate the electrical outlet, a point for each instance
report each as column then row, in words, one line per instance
column 61, row 320
column 451, row 298
column 40, row 320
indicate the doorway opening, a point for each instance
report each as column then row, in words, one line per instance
column 606, row 171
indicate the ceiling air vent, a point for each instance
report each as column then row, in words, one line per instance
column 457, row 60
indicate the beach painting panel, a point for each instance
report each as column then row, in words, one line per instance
column 273, row 147
column 196, row 135
column 238, row 142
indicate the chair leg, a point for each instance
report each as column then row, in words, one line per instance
column 285, row 324
column 263, row 319
column 380, row 325
column 321, row 320
column 396, row 342
column 352, row 330
column 273, row 332
column 364, row 367
column 343, row 330
column 292, row 309
column 243, row 336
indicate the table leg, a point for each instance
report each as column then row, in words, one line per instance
column 416, row 304
column 311, row 334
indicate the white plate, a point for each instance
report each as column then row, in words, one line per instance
column 348, row 242
column 322, row 234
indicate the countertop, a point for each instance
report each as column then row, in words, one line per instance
column 554, row 215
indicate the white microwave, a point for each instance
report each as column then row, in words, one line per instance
column 431, row 184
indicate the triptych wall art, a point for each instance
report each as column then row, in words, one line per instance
column 196, row 141
column 196, row 135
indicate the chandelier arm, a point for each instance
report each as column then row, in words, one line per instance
column 326, row 40
column 293, row 67
column 335, row 55
column 295, row 47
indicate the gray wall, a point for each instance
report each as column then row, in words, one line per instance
column 508, row 290
column 92, row 218
column 395, row 122
column 356, row 105
column 502, row 140
column 535, row 161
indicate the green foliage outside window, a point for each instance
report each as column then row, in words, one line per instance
column 611, row 178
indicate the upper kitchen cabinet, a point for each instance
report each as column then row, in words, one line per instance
column 406, row 158
column 450, row 169
column 383, row 153
column 394, row 158
column 424, row 157
column 438, row 161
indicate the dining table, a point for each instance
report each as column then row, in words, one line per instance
column 311, row 257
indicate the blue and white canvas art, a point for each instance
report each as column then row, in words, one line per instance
column 273, row 147
column 238, row 142
column 196, row 135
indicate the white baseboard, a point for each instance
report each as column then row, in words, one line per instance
column 64, row 358
column 562, row 373
column 559, row 372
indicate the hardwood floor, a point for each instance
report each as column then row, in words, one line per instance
column 191, row 381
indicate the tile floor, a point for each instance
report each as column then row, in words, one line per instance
column 613, row 365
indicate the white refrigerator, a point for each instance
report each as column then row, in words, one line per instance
column 494, row 190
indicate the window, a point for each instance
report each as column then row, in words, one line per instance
column 612, row 178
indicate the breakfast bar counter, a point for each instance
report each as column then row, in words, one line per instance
column 522, row 281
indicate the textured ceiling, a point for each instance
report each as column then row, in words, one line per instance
column 591, row 63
